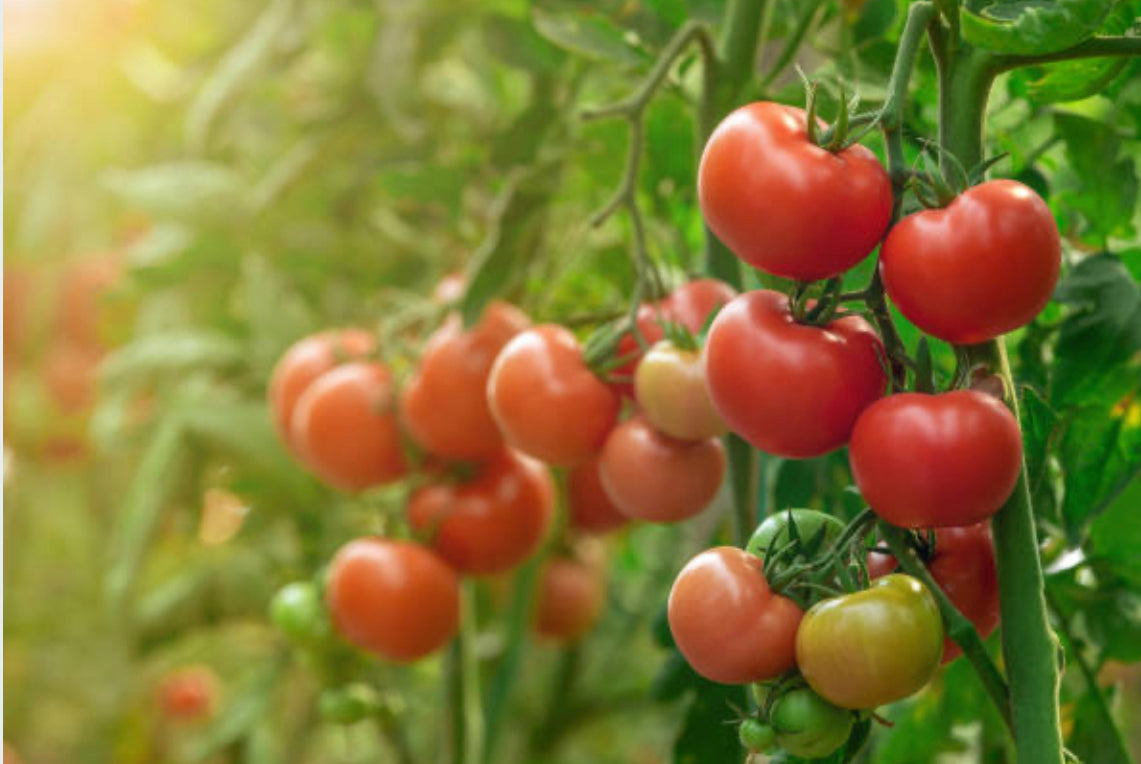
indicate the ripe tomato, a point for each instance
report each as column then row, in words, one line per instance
column 982, row 266
column 963, row 566
column 808, row 726
column 303, row 363
column 590, row 509
column 80, row 311
column 572, row 591
column 71, row 373
column 492, row 522
column 189, row 693
column 546, row 401
column 444, row 404
column 786, row 205
column 651, row 476
column 774, row 530
column 929, row 461
column 727, row 622
column 872, row 647
column 345, row 428
column 670, row 388
column 393, row 598
column 787, row 388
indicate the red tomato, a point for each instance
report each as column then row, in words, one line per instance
column 572, row 592
column 590, row 509
column 71, row 373
column 189, row 693
column 85, row 282
column 727, row 622
column 444, row 404
column 982, row 266
column 492, row 522
column 963, row 566
column 546, row 401
column 786, row 205
column 10, row 755
column 930, row 461
column 345, row 428
column 393, row 598
column 791, row 389
column 303, row 363
column 651, row 476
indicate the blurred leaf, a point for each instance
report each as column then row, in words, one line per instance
column 1094, row 738
column 707, row 732
column 1115, row 536
column 172, row 353
column 1107, row 192
column 188, row 191
column 1030, row 27
column 242, row 714
column 516, row 43
column 587, row 35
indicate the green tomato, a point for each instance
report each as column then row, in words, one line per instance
column 298, row 612
column 756, row 736
column 808, row 524
column 808, row 726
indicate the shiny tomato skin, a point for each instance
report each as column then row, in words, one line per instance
column 589, row 508
column 787, row 388
column 670, row 387
column 932, row 461
column 189, row 693
column 728, row 624
column 572, row 592
column 546, row 401
column 392, row 598
column 785, row 205
column 807, row 726
column 964, row 567
column 651, row 476
column 303, row 363
column 345, row 430
column 444, row 405
column 982, row 266
column 871, row 647
column 491, row 523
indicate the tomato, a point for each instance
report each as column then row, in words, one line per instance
column 651, row 476
column 303, row 363
column 928, row 461
column 590, row 510
column 727, row 622
column 393, row 598
column 786, row 205
column 189, row 693
column 297, row 611
column 491, row 523
column 690, row 305
column 10, row 755
column 963, row 565
column 871, row 647
column 444, row 404
column 71, row 373
column 80, row 311
column 572, row 591
column 756, row 736
column 808, row 726
column 345, row 428
column 670, row 388
column 982, row 266
column 546, row 401
column 774, row 530
column 787, row 388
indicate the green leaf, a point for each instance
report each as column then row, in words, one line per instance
column 516, row 44
column 1033, row 27
column 1106, row 195
column 705, row 735
column 188, row 190
column 248, row 707
column 172, row 353
column 1074, row 80
column 1115, row 536
column 586, row 35
column 1041, row 429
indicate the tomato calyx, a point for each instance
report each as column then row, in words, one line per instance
column 838, row 136
column 808, row 570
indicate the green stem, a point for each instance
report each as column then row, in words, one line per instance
column 469, row 670
column 959, row 627
column 792, row 43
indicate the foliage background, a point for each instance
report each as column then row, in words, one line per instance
column 261, row 170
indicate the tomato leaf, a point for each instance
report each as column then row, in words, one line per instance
column 1107, row 189
column 1030, row 27
column 1116, row 535
column 516, row 43
column 706, row 735
column 591, row 36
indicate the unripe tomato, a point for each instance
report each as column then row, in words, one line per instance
column 345, row 428
column 444, row 404
column 491, row 523
column 808, row 726
column 670, row 388
column 982, row 266
column 572, row 591
column 871, row 647
column 546, row 401
column 785, row 205
column 964, row 567
column 589, row 507
column 774, row 530
column 727, row 622
column 929, row 461
column 303, row 363
column 189, row 693
column 756, row 736
column 787, row 388
column 71, row 372
column 297, row 611
column 651, row 476
column 393, row 598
